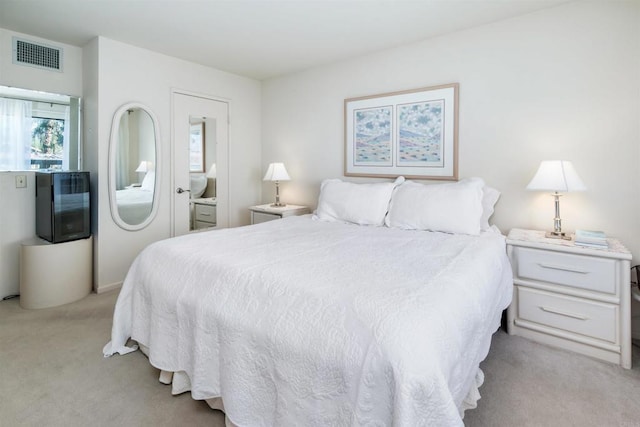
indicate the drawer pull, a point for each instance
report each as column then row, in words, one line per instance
column 564, row 313
column 204, row 214
column 563, row 268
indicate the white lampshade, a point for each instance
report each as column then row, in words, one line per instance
column 556, row 175
column 144, row 166
column 212, row 171
column 276, row 172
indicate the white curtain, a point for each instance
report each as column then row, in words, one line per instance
column 15, row 134
column 122, row 153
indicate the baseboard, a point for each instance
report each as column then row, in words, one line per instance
column 110, row 287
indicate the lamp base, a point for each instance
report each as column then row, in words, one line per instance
column 278, row 205
column 557, row 235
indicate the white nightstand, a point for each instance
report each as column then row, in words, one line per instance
column 264, row 213
column 570, row 296
column 204, row 213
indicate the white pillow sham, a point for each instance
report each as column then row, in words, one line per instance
column 450, row 208
column 149, row 181
column 490, row 197
column 363, row 204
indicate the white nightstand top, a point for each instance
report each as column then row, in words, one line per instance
column 205, row 201
column 278, row 210
column 536, row 239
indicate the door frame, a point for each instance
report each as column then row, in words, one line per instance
column 177, row 91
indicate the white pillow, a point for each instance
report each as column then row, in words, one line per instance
column 490, row 197
column 363, row 204
column 450, row 208
column 149, row 181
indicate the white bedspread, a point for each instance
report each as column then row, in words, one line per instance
column 134, row 204
column 299, row 322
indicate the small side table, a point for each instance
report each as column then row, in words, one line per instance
column 204, row 213
column 264, row 213
column 53, row 274
column 571, row 296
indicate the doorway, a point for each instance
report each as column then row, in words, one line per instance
column 199, row 163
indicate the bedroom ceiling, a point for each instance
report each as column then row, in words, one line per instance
column 257, row 38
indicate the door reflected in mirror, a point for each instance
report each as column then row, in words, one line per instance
column 133, row 166
column 202, row 169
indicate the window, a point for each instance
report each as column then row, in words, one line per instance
column 47, row 149
column 38, row 130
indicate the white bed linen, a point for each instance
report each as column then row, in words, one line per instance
column 302, row 322
column 134, row 204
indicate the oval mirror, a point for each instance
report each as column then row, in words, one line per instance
column 133, row 166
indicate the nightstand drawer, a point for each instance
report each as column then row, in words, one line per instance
column 588, row 318
column 199, row 225
column 584, row 272
column 206, row 213
column 258, row 217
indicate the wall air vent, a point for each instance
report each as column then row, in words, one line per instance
column 36, row 55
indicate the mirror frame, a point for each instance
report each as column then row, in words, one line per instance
column 113, row 141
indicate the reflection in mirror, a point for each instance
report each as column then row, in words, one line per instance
column 196, row 144
column 133, row 166
column 40, row 130
column 202, row 167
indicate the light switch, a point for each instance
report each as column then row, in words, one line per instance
column 21, row 181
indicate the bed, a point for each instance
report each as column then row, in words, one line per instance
column 134, row 204
column 136, row 201
column 320, row 320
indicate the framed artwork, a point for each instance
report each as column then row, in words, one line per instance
column 196, row 147
column 412, row 133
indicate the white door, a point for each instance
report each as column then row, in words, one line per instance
column 195, row 117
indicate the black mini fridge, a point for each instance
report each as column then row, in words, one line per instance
column 62, row 206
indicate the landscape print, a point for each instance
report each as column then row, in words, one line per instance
column 420, row 133
column 413, row 133
column 372, row 128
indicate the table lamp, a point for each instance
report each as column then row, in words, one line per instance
column 277, row 172
column 557, row 176
column 143, row 167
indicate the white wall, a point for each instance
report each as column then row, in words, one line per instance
column 562, row 83
column 17, row 205
column 17, row 224
column 126, row 73
column 67, row 82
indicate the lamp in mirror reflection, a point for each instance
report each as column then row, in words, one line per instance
column 276, row 172
column 212, row 171
column 556, row 176
column 144, row 167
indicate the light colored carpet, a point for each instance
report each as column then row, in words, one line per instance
column 52, row 373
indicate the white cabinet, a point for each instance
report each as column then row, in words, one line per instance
column 264, row 213
column 570, row 296
column 204, row 213
column 55, row 274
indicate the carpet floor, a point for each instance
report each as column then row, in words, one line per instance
column 52, row 373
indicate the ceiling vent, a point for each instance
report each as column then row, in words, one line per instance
column 36, row 55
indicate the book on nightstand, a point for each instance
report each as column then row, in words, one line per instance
column 592, row 239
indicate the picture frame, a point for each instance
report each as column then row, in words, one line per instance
column 413, row 133
column 196, row 147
